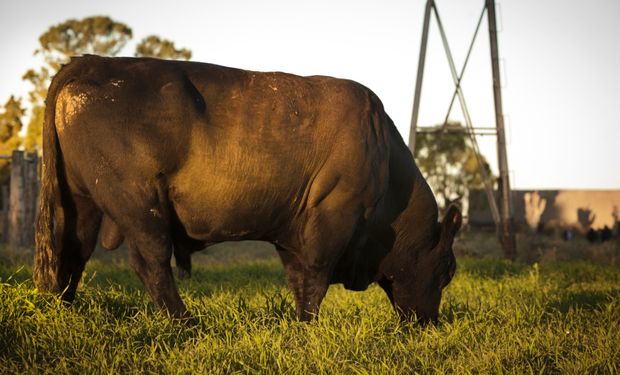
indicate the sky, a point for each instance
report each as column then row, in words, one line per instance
column 559, row 68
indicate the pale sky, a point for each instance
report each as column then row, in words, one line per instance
column 560, row 63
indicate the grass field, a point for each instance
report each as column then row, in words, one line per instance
column 553, row 316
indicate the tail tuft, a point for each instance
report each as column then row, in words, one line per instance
column 45, row 269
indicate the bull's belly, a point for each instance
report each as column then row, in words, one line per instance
column 214, row 217
column 236, row 193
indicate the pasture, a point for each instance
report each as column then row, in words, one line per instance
column 544, row 314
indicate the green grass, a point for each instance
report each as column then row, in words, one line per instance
column 496, row 317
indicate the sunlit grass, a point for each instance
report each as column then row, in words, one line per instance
column 495, row 317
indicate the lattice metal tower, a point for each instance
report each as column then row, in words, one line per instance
column 502, row 213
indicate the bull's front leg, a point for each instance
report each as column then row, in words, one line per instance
column 314, row 287
column 327, row 230
column 308, row 284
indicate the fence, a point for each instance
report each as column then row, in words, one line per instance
column 20, row 200
column 564, row 209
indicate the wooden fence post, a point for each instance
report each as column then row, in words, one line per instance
column 23, row 196
column 5, row 213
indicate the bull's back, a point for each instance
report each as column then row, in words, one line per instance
column 240, row 151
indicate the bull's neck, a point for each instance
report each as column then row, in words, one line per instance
column 417, row 224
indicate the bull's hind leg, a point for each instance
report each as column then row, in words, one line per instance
column 76, row 241
column 141, row 212
column 145, row 220
column 149, row 256
column 147, row 230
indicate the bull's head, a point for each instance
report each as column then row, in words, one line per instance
column 418, row 293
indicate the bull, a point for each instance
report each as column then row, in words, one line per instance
column 176, row 156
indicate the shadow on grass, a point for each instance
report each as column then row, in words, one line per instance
column 255, row 275
column 204, row 279
column 228, row 266
column 490, row 268
column 454, row 312
column 118, row 291
column 583, row 300
column 15, row 274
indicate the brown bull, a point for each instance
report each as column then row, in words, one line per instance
column 182, row 155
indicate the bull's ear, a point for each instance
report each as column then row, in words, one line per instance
column 451, row 223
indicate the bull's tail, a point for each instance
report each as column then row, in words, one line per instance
column 47, row 257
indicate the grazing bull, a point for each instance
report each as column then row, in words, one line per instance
column 169, row 154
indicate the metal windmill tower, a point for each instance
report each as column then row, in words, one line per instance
column 502, row 215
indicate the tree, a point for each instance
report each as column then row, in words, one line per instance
column 97, row 35
column 10, row 126
column 154, row 46
column 448, row 161
column 40, row 82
